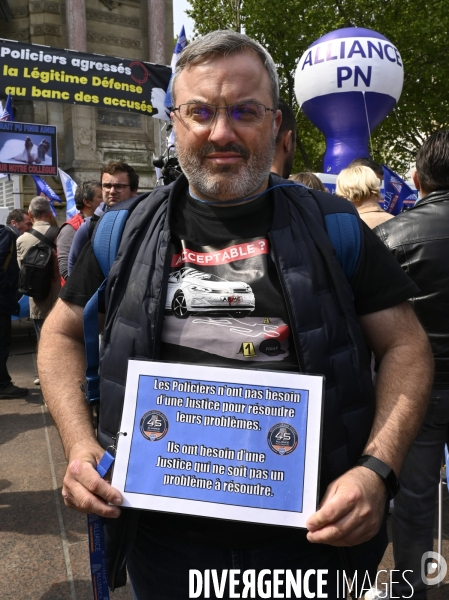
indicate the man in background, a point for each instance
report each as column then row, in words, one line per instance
column 17, row 223
column 419, row 239
column 371, row 164
column 284, row 153
column 41, row 216
column 88, row 197
column 119, row 181
column 20, row 220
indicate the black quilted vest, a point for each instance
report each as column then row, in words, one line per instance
column 326, row 332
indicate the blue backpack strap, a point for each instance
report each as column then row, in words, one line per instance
column 108, row 235
column 344, row 232
column 105, row 243
column 343, row 228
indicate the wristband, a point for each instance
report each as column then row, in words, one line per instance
column 384, row 471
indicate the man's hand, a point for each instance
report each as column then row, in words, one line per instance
column 351, row 511
column 83, row 489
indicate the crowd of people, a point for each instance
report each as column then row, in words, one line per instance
column 235, row 140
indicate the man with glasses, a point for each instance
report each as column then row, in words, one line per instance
column 228, row 221
column 119, row 182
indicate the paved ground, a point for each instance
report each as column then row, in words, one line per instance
column 43, row 545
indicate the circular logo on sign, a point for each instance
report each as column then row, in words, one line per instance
column 140, row 73
column 153, row 425
column 282, row 439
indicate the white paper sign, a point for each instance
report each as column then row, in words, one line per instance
column 226, row 443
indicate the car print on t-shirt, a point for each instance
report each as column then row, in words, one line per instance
column 192, row 292
column 224, row 306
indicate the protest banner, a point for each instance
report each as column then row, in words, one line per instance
column 227, row 443
column 28, row 149
column 34, row 72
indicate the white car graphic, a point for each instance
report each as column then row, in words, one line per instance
column 194, row 292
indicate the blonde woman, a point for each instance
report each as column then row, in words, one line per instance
column 360, row 185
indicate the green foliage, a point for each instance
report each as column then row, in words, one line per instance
column 287, row 27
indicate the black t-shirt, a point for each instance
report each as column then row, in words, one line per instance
column 378, row 283
column 225, row 307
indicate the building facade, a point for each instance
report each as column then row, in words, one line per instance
column 88, row 136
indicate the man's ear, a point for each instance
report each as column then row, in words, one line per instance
column 277, row 121
column 288, row 141
column 416, row 180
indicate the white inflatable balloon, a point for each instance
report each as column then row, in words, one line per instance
column 346, row 83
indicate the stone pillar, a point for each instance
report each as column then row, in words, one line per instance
column 75, row 11
column 80, row 121
column 156, row 31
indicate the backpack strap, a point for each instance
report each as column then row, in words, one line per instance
column 344, row 231
column 48, row 237
column 93, row 220
column 107, row 238
column 105, row 244
column 340, row 219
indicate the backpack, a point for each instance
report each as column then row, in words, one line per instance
column 343, row 230
column 37, row 269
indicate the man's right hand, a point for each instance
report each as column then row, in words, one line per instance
column 83, row 488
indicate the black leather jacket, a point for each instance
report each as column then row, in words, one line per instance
column 419, row 239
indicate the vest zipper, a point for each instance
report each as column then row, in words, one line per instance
column 291, row 316
column 161, row 305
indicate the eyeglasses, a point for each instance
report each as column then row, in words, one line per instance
column 118, row 187
column 245, row 114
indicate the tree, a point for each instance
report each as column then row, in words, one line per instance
column 287, row 27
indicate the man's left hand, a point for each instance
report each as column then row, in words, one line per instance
column 351, row 510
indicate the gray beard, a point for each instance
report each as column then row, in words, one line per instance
column 226, row 182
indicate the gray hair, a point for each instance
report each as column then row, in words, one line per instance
column 86, row 191
column 40, row 207
column 223, row 43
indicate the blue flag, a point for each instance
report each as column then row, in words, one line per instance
column 180, row 45
column 43, row 189
column 396, row 192
column 69, row 190
column 7, row 113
